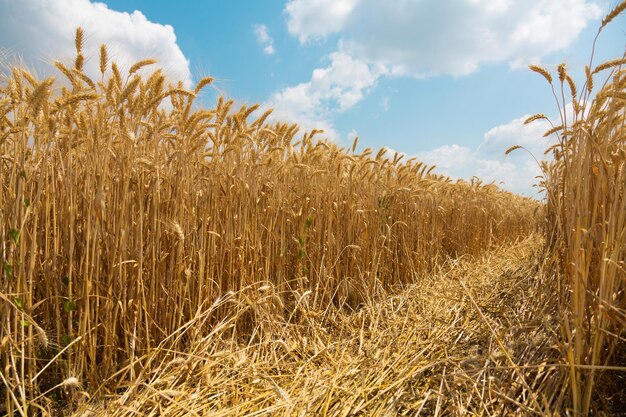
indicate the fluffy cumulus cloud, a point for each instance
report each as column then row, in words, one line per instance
column 498, row 139
column 317, row 18
column 334, row 88
column 516, row 172
column 448, row 157
column 264, row 38
column 43, row 31
column 426, row 38
column 419, row 38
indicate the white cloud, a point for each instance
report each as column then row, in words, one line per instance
column 335, row 88
column 504, row 173
column 515, row 172
column 498, row 139
column 309, row 19
column 448, row 157
column 420, row 39
column 453, row 37
column 40, row 30
column 264, row 38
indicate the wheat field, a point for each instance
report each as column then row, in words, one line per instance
column 162, row 258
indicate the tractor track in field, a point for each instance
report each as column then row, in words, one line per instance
column 472, row 338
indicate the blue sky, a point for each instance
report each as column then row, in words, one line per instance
column 445, row 80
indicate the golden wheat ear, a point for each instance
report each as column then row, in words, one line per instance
column 617, row 10
column 104, row 59
column 203, row 83
column 140, row 64
column 512, row 148
column 541, row 71
column 538, row 116
column 78, row 43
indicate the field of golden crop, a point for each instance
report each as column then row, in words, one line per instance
column 159, row 258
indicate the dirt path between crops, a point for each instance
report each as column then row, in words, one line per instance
column 452, row 344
